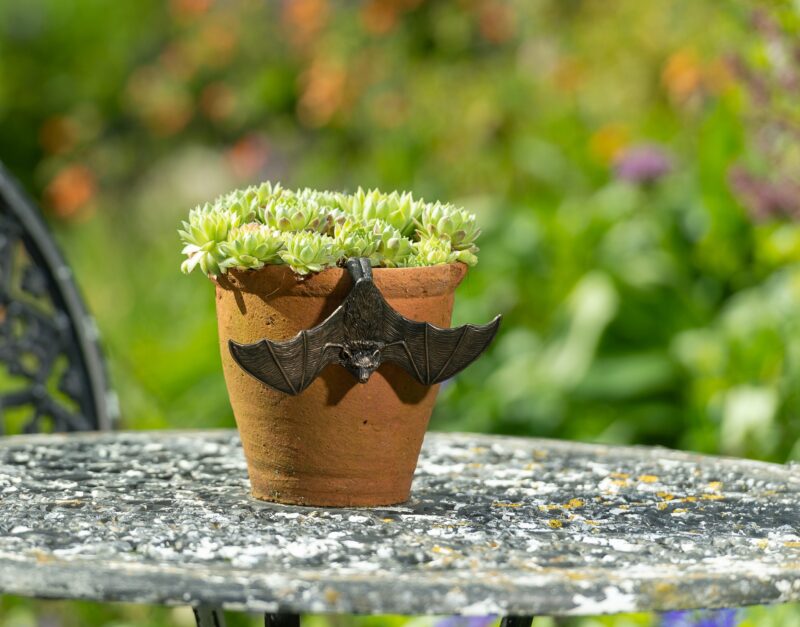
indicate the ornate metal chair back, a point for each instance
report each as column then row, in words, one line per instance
column 52, row 373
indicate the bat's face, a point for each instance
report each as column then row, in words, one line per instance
column 362, row 359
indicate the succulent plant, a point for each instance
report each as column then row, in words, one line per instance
column 398, row 210
column 327, row 201
column 310, row 230
column 203, row 234
column 307, row 251
column 432, row 251
column 355, row 239
column 251, row 246
column 444, row 220
column 247, row 202
column 239, row 203
column 290, row 213
column 330, row 220
column 267, row 191
column 394, row 250
column 468, row 257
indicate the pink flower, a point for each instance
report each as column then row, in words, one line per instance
column 642, row 164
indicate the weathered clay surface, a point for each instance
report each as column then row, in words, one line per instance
column 338, row 443
column 495, row 525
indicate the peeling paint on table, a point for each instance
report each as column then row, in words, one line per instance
column 496, row 525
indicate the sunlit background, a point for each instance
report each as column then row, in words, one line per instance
column 634, row 166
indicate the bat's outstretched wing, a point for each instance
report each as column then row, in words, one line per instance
column 431, row 354
column 292, row 365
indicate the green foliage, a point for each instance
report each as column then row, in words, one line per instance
column 268, row 224
column 654, row 313
column 660, row 313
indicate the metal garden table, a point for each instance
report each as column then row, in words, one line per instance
column 508, row 526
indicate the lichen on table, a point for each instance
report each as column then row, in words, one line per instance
column 495, row 525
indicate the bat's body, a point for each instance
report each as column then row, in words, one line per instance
column 363, row 332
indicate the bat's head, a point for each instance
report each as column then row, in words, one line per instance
column 361, row 359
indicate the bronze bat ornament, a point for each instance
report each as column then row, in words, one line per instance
column 360, row 335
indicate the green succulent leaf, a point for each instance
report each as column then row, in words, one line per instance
column 289, row 212
column 394, row 249
column 433, row 251
column 251, row 246
column 247, row 202
column 308, row 251
column 444, row 220
column 355, row 239
column 203, row 234
column 397, row 210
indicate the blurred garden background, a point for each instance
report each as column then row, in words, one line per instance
column 635, row 166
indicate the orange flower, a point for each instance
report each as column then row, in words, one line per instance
column 189, row 8
column 568, row 74
column 382, row 16
column 248, row 156
column 217, row 43
column 496, row 21
column 607, row 142
column 686, row 76
column 379, row 17
column 304, row 19
column 682, row 74
column 323, row 86
column 70, row 190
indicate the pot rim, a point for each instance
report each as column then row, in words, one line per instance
column 282, row 280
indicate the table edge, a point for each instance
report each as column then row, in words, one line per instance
column 487, row 439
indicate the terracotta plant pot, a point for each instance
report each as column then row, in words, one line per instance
column 338, row 443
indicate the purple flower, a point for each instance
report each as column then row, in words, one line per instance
column 765, row 198
column 700, row 618
column 642, row 164
column 466, row 621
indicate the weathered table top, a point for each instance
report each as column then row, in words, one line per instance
column 495, row 526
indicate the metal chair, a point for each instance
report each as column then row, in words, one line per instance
column 51, row 367
column 52, row 373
